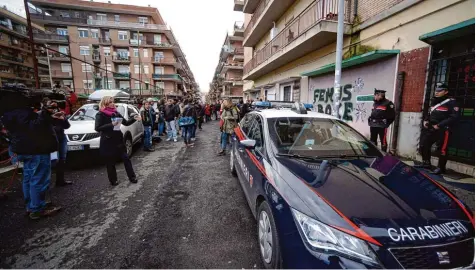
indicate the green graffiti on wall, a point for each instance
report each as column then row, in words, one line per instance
column 325, row 97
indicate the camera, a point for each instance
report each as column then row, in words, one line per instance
column 17, row 96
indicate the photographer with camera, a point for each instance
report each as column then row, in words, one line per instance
column 60, row 123
column 32, row 139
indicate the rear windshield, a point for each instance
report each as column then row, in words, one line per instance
column 318, row 137
column 88, row 113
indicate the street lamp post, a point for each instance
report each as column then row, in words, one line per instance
column 338, row 68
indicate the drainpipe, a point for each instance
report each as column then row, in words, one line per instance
column 356, row 4
column 398, row 107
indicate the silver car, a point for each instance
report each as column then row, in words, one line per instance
column 82, row 136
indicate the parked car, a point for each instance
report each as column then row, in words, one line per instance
column 326, row 197
column 82, row 136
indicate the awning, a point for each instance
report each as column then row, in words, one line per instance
column 354, row 61
column 448, row 33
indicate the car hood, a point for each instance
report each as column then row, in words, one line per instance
column 80, row 127
column 390, row 201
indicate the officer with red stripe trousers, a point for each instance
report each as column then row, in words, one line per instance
column 382, row 116
column 443, row 113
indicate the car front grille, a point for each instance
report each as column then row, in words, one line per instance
column 453, row 255
column 82, row 137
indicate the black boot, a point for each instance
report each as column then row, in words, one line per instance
column 441, row 166
column 426, row 164
column 60, row 174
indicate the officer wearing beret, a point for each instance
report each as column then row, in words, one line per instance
column 382, row 116
column 443, row 113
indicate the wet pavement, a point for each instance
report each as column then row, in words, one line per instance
column 185, row 212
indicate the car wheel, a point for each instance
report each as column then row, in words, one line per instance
column 232, row 163
column 268, row 237
column 128, row 143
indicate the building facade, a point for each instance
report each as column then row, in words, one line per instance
column 16, row 57
column 228, row 78
column 402, row 46
column 124, row 47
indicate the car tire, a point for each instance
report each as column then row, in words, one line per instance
column 129, row 146
column 232, row 163
column 268, row 237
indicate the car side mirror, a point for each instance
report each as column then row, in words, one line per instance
column 249, row 144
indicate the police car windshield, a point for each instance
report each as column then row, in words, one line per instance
column 315, row 137
column 88, row 113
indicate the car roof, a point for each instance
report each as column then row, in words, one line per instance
column 276, row 113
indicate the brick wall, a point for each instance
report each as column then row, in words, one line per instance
column 414, row 63
column 366, row 9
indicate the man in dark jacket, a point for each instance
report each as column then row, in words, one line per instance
column 442, row 115
column 170, row 115
column 60, row 123
column 382, row 116
column 147, row 115
column 33, row 139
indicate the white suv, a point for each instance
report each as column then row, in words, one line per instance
column 82, row 136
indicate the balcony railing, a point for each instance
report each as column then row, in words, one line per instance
column 55, row 55
column 161, row 60
column 51, row 37
column 239, row 51
column 239, row 26
column 128, row 25
column 136, row 42
column 121, row 58
column 61, row 74
column 167, row 76
column 104, row 41
column 96, row 57
column 122, row 75
column 57, row 18
column 11, row 58
column 318, row 11
column 259, row 10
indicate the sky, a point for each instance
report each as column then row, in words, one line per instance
column 200, row 27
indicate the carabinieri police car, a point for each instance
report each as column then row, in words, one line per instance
column 326, row 197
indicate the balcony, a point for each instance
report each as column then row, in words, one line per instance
column 137, row 42
column 122, row 75
column 267, row 12
column 105, row 41
column 60, row 74
column 239, row 4
column 12, row 59
column 239, row 29
column 96, row 57
column 233, row 65
column 250, row 6
column 167, row 77
column 114, row 24
column 51, row 38
column 54, row 56
column 239, row 54
column 314, row 28
column 56, row 19
column 121, row 59
column 165, row 61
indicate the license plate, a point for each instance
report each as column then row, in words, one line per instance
column 75, row 147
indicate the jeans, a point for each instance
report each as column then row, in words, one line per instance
column 111, row 167
column 161, row 128
column 187, row 133
column 60, row 164
column 147, row 137
column 193, row 130
column 171, row 129
column 224, row 140
column 36, row 180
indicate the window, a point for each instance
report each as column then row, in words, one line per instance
column 256, row 133
column 123, row 53
column 123, row 69
column 63, row 49
column 83, row 33
column 62, row 31
column 160, row 85
column 94, row 33
column 122, row 35
column 65, row 67
column 143, row 20
column 136, row 36
column 117, row 18
column 108, row 67
column 84, row 50
column 246, row 122
column 101, row 17
column 68, row 83
column 88, row 84
column 157, row 39
column 131, row 110
column 158, row 56
column 124, row 85
column 159, row 70
column 287, row 93
column 136, row 52
column 146, row 69
column 147, row 84
column 136, row 69
column 64, row 14
column 145, row 52
column 107, row 51
column 86, row 67
column 136, row 85
column 109, row 84
column 77, row 14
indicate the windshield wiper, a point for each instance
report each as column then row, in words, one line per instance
column 345, row 156
column 296, row 156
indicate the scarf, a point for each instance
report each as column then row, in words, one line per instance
column 109, row 111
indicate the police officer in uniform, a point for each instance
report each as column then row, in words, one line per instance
column 383, row 115
column 443, row 113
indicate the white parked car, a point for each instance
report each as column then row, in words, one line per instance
column 82, row 136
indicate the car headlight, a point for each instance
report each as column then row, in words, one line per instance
column 326, row 239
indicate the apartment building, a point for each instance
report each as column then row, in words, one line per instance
column 228, row 79
column 16, row 58
column 402, row 46
column 134, row 48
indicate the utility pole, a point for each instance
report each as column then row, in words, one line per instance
column 86, row 69
column 140, row 65
column 33, row 52
column 49, row 66
column 338, row 70
column 107, row 78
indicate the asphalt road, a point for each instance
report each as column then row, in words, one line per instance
column 185, row 212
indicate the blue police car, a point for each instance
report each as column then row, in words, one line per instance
column 326, row 197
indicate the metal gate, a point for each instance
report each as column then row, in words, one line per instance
column 453, row 62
